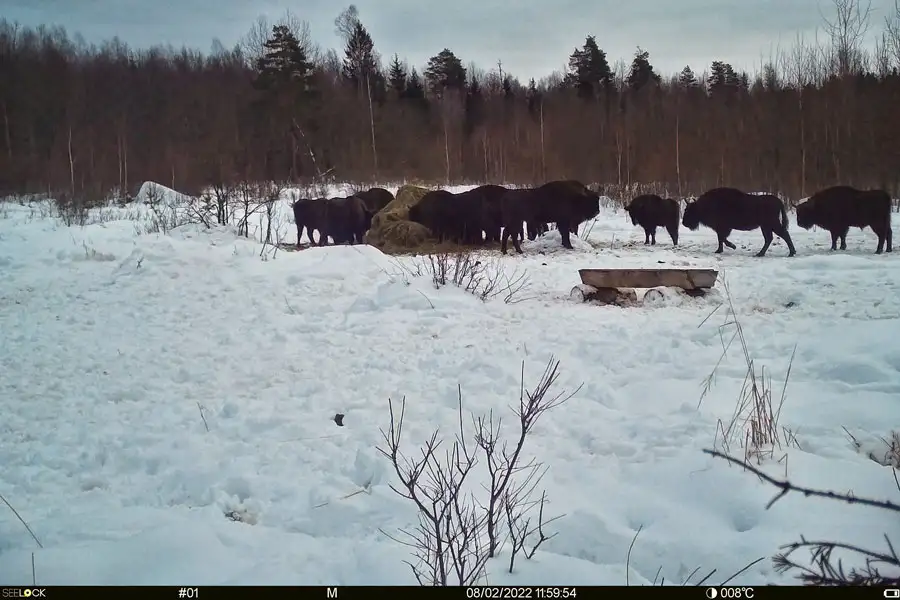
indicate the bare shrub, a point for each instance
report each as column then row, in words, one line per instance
column 71, row 209
column 823, row 567
column 456, row 533
column 754, row 424
column 465, row 270
column 270, row 225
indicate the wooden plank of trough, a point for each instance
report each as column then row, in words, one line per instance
column 687, row 279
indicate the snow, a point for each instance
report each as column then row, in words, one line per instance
column 151, row 384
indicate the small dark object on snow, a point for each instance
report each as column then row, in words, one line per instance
column 339, row 419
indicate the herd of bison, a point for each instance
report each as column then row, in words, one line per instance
column 491, row 213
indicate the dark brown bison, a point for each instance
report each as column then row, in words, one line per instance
column 725, row 209
column 434, row 211
column 374, row 200
column 566, row 203
column 467, row 216
column 841, row 207
column 311, row 215
column 345, row 220
column 651, row 211
column 491, row 210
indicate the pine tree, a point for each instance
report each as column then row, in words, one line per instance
column 445, row 72
column 360, row 62
column 285, row 63
column 397, row 76
column 589, row 71
column 642, row 73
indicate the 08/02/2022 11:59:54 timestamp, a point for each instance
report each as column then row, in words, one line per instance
column 548, row 592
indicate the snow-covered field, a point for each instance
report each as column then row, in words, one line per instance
column 152, row 384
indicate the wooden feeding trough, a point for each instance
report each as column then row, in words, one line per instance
column 617, row 286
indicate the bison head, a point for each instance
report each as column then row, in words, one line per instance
column 692, row 216
column 805, row 217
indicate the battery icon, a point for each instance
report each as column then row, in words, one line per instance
column 892, row 593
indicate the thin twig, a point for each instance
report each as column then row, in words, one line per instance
column 18, row 516
column 786, row 487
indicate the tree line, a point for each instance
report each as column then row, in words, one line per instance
column 91, row 120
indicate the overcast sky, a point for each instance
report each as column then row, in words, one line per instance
column 532, row 37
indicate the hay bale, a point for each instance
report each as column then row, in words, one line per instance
column 398, row 208
column 391, row 228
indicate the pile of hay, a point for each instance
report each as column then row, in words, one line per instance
column 391, row 229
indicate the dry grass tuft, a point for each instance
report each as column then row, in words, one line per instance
column 754, row 424
column 885, row 450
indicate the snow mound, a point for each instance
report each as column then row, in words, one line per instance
column 551, row 243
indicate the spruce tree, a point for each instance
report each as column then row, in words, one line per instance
column 474, row 107
column 397, row 76
column 687, row 79
column 533, row 96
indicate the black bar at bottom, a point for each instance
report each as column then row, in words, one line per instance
column 342, row 592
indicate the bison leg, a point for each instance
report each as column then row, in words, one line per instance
column 646, row 235
column 299, row 234
column 767, row 238
column 835, row 236
column 842, row 234
column 782, row 232
column 673, row 233
column 888, row 238
column 723, row 240
column 653, row 235
column 504, row 238
column 884, row 237
column 564, row 234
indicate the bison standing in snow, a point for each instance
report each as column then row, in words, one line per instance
column 311, row 214
column 841, row 207
column 345, row 221
column 725, row 209
column 566, row 203
column 374, row 200
column 651, row 211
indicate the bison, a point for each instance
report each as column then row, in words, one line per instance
column 651, row 211
column 374, row 200
column 434, row 212
column 345, row 220
column 841, row 207
column 566, row 203
column 310, row 214
column 491, row 213
column 461, row 218
column 725, row 209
